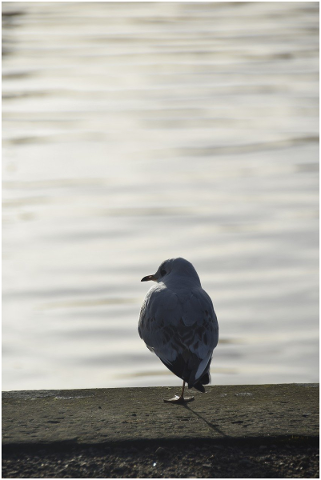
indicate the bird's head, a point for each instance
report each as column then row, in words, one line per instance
column 178, row 267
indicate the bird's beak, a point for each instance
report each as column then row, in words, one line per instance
column 148, row 278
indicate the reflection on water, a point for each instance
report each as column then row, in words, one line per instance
column 135, row 132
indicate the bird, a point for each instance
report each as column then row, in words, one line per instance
column 178, row 323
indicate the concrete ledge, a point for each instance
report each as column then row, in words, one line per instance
column 106, row 416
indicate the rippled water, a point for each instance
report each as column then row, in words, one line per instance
column 135, row 132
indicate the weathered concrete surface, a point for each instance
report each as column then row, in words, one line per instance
column 101, row 416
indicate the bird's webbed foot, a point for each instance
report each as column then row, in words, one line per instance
column 180, row 400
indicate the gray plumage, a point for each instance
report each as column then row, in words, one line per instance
column 178, row 323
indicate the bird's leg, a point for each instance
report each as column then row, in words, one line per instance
column 180, row 399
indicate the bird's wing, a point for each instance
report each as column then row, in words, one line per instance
column 181, row 328
column 201, row 330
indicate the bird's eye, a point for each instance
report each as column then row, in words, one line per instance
column 163, row 272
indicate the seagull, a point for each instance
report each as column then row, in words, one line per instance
column 178, row 323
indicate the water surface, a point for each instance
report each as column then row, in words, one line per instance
column 136, row 132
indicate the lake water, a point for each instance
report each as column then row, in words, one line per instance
column 136, row 132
